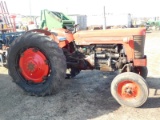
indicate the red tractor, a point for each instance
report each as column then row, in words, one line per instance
column 39, row 60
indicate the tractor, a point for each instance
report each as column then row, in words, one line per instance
column 39, row 60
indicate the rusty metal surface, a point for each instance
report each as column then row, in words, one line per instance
column 140, row 62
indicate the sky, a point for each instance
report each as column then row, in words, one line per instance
column 143, row 8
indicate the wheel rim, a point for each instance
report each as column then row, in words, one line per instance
column 128, row 89
column 33, row 65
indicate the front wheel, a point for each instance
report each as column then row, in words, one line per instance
column 36, row 64
column 129, row 89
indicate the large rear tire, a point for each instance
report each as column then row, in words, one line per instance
column 36, row 64
column 129, row 89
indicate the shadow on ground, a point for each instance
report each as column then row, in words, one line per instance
column 154, row 99
column 84, row 97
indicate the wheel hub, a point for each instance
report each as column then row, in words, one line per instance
column 33, row 65
column 128, row 89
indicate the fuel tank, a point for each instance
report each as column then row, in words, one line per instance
column 107, row 36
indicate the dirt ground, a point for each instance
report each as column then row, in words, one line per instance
column 86, row 97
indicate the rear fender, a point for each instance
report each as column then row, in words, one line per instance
column 47, row 33
column 61, row 36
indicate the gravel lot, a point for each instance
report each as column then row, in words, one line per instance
column 87, row 97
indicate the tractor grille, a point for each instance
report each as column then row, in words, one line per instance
column 139, row 42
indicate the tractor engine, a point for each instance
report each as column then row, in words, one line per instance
column 109, row 57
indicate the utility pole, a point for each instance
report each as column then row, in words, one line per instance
column 30, row 9
column 104, row 15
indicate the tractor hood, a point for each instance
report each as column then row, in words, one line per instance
column 104, row 36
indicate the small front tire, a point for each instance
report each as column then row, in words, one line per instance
column 129, row 89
